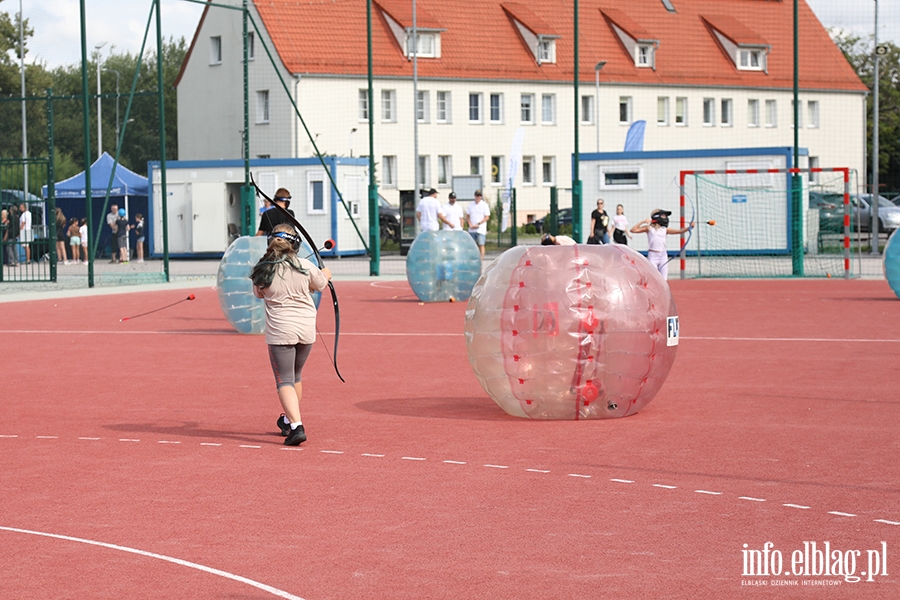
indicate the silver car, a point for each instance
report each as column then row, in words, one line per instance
column 888, row 213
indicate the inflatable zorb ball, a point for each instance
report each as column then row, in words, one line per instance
column 892, row 263
column 245, row 312
column 571, row 332
column 443, row 265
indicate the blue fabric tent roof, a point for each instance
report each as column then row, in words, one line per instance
column 125, row 182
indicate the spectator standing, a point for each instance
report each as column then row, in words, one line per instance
column 139, row 234
column 477, row 215
column 428, row 210
column 7, row 235
column 122, row 235
column 61, row 237
column 451, row 214
column 620, row 222
column 26, row 235
column 271, row 218
column 83, row 234
column 74, row 235
column 599, row 225
column 111, row 219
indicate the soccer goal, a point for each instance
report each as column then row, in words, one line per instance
column 766, row 223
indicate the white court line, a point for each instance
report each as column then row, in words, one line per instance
column 177, row 561
column 128, row 440
column 887, row 522
column 411, row 458
column 840, row 514
column 496, row 466
column 373, row 455
column 248, row 446
column 537, row 471
column 796, row 506
column 331, row 451
column 209, row 444
column 665, row 487
column 454, row 462
column 579, row 475
column 751, row 499
column 8, row 436
column 622, row 480
column 708, row 492
column 168, row 442
column 47, row 437
column 89, row 439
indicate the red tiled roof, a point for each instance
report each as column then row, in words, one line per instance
column 734, row 30
column 627, row 24
column 401, row 11
column 480, row 42
column 526, row 17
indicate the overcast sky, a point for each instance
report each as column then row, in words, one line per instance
column 122, row 23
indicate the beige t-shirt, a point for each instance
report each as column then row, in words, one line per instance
column 290, row 310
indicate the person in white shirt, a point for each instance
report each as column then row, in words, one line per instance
column 427, row 211
column 557, row 240
column 657, row 228
column 477, row 215
column 451, row 214
column 26, row 235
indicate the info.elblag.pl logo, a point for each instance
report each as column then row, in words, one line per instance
column 813, row 560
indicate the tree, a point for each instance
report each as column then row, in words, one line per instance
column 860, row 53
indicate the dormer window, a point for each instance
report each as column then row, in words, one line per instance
column 427, row 44
column 639, row 43
column 427, row 32
column 546, row 50
column 751, row 60
column 644, row 56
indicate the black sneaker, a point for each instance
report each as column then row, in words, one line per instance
column 284, row 427
column 295, row 437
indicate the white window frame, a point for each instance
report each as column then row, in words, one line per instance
column 605, row 170
column 262, row 107
column 643, row 55
column 497, row 178
column 812, row 108
column 476, row 165
column 251, row 45
column 548, row 109
column 478, row 107
column 551, row 162
column 528, row 170
column 709, row 112
column 662, row 106
column 363, row 103
column 215, row 50
column 752, row 112
column 389, row 171
column 626, row 103
column 313, row 177
column 751, row 59
column 422, row 106
column 499, row 98
column 388, row 106
column 726, row 118
column 443, row 108
column 771, row 113
column 546, row 50
column 445, row 170
column 526, row 109
column 683, row 114
column 587, row 109
column 813, row 164
column 424, row 171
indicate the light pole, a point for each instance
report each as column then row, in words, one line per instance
column 873, row 221
column 99, row 107
column 117, row 104
column 597, row 69
column 24, row 116
column 352, row 131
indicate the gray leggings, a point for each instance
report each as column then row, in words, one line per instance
column 287, row 363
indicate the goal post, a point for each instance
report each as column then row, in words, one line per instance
column 746, row 223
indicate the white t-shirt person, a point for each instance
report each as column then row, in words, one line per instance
column 478, row 214
column 427, row 211
column 453, row 212
column 25, row 233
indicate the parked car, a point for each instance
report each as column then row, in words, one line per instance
column 564, row 217
column 888, row 213
column 389, row 220
column 831, row 212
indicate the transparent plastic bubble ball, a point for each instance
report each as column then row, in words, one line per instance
column 892, row 263
column 245, row 312
column 571, row 332
column 443, row 265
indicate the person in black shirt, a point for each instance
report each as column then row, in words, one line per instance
column 273, row 216
column 599, row 225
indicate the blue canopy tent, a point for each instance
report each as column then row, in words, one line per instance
column 129, row 191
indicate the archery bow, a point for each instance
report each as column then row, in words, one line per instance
column 690, row 231
column 321, row 264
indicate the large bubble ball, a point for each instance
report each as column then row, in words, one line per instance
column 892, row 263
column 443, row 265
column 245, row 312
column 571, row 332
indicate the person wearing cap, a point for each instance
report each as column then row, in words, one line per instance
column 428, row 210
column 451, row 214
column 656, row 228
column 270, row 218
column 122, row 235
column 477, row 215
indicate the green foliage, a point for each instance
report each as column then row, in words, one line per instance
column 860, row 54
column 529, row 229
column 140, row 125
